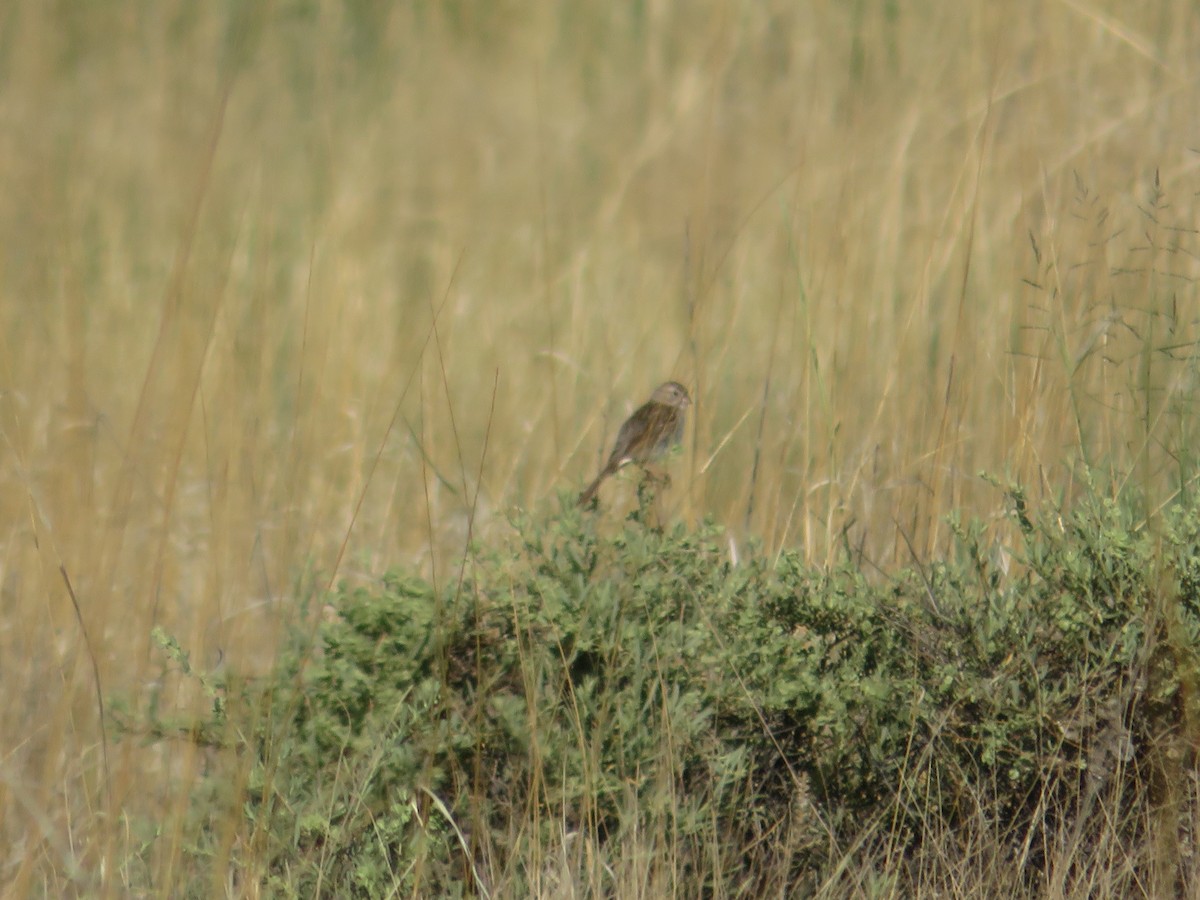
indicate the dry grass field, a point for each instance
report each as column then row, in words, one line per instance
column 291, row 293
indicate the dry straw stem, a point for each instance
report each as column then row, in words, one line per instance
column 222, row 235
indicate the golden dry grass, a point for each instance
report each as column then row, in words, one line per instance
column 226, row 237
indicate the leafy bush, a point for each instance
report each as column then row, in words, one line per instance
column 603, row 684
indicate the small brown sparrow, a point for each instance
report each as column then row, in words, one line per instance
column 654, row 428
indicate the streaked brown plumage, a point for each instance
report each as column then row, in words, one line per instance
column 653, row 428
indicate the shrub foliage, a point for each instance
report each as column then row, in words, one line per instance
column 597, row 681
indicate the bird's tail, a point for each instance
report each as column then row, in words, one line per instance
column 590, row 491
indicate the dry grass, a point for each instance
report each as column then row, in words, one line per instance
column 316, row 286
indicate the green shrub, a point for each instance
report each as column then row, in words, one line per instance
column 606, row 683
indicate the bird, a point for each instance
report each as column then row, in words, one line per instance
column 654, row 428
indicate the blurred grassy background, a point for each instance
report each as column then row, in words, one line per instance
column 227, row 231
